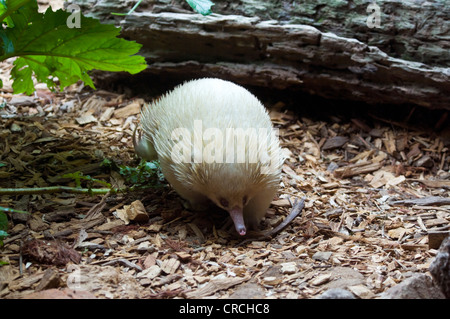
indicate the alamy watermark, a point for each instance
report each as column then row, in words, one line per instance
column 76, row 280
column 230, row 145
column 374, row 19
column 74, row 20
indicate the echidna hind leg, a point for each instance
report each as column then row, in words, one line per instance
column 145, row 149
column 257, row 207
column 196, row 201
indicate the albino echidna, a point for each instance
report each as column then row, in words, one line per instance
column 215, row 142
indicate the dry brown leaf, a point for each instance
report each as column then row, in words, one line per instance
column 86, row 119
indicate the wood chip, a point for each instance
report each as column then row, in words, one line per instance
column 320, row 280
column 22, row 100
column 136, row 212
column 432, row 183
column 51, row 279
column 335, row 142
column 322, row 255
column 361, row 291
column 170, row 265
column 397, row 233
column 281, row 203
column 131, row 109
column 183, row 255
column 106, row 115
column 431, row 200
column 86, row 119
column 271, row 280
column 357, row 169
column 216, row 284
column 288, row 268
column 149, row 273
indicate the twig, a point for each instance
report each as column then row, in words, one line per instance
column 297, row 207
column 295, row 211
column 55, row 189
column 97, row 208
column 20, row 259
column 15, row 237
column 197, row 232
column 427, row 201
column 124, row 262
column 67, row 189
column 12, row 210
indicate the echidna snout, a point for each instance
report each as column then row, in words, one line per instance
column 237, row 215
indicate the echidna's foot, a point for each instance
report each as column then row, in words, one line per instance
column 253, row 223
column 229, row 227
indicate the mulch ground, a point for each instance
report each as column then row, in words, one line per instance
column 376, row 207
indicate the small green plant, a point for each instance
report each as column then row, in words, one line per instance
column 4, row 222
column 78, row 177
column 146, row 174
column 3, row 227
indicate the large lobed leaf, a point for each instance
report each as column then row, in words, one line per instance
column 53, row 52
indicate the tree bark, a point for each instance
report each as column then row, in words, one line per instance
column 283, row 54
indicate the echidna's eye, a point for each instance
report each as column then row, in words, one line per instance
column 244, row 200
column 223, row 202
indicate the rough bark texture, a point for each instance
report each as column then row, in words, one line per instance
column 418, row 286
column 440, row 268
column 334, row 57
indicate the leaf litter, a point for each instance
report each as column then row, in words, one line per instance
column 376, row 208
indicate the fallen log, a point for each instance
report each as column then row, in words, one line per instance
column 283, row 55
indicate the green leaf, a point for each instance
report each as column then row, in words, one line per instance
column 145, row 174
column 7, row 7
column 3, row 222
column 201, row 6
column 17, row 14
column 51, row 51
column 3, row 235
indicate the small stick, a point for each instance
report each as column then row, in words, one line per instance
column 54, row 189
column 295, row 211
column 97, row 208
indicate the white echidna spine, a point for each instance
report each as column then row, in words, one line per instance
column 207, row 134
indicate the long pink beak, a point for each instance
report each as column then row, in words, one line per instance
column 238, row 219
